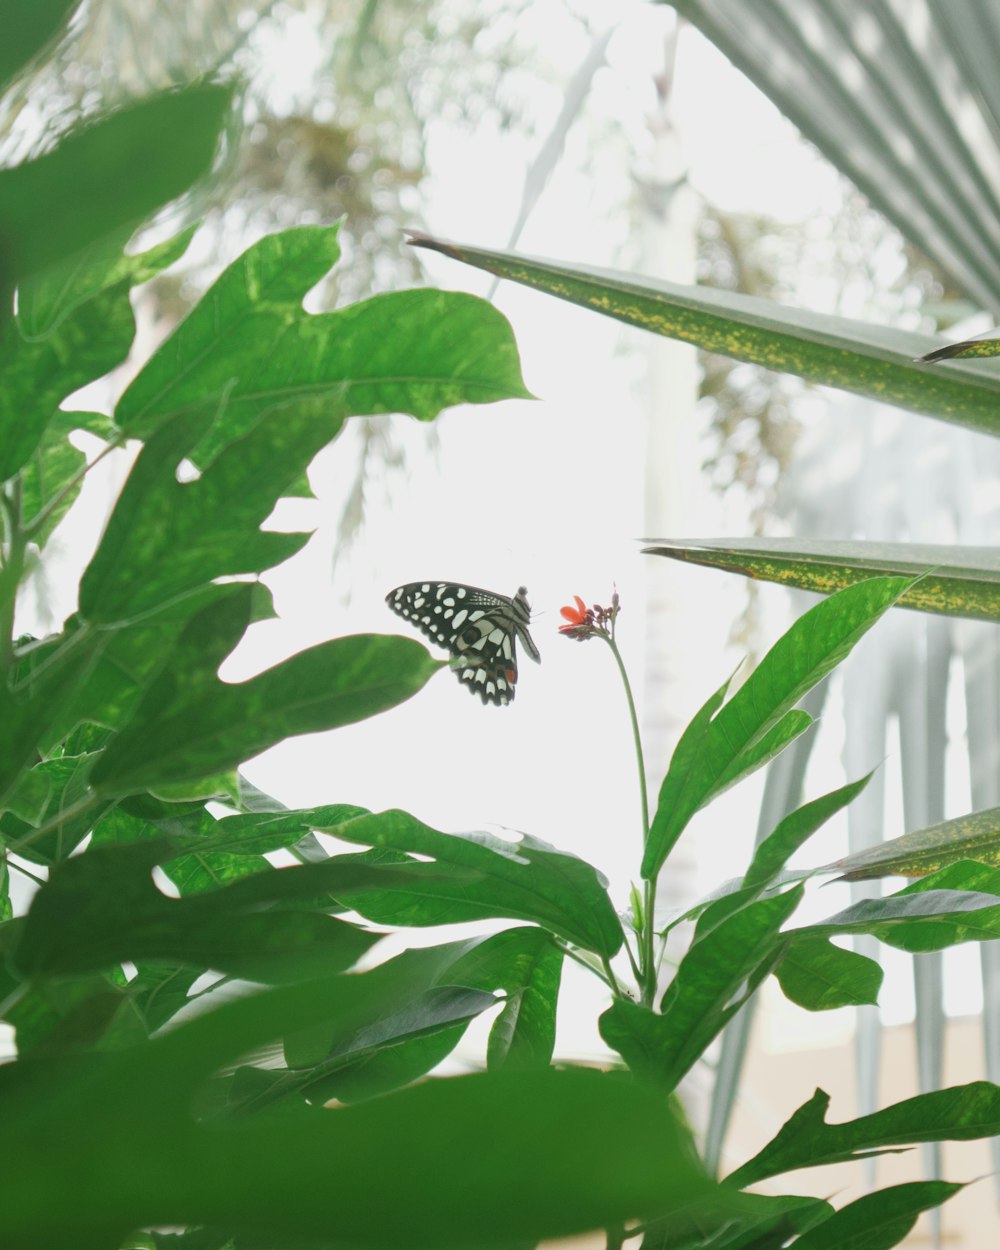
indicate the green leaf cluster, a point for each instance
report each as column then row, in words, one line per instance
column 208, row 1042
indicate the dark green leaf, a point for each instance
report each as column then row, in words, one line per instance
column 523, row 880
column 46, row 298
column 249, row 347
column 102, row 177
column 819, row 976
column 27, row 26
column 65, row 781
column 857, row 356
column 879, row 1220
column 593, row 1149
column 758, row 721
column 103, row 907
column 702, row 996
column 962, row 1113
column 957, row 581
column 763, row 1222
column 189, row 725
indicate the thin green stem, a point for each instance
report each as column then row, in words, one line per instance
column 647, row 959
column 13, row 568
column 60, row 818
column 37, row 521
column 610, row 974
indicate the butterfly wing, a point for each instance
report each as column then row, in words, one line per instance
column 476, row 627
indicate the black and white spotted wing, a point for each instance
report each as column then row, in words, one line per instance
column 476, row 626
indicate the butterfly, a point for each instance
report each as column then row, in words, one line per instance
column 476, row 626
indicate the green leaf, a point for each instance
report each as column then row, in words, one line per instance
column 118, row 665
column 102, row 907
column 166, row 539
column 527, row 964
column 90, row 341
column 593, row 1149
column 757, row 721
column 819, row 976
column 961, row 1113
column 975, row 836
column 59, row 785
column 63, row 1015
column 45, row 299
column 956, row 581
column 857, row 356
column 27, row 29
column 428, row 1012
column 524, row 880
column 189, row 725
column 47, row 486
column 249, row 347
column 777, row 848
column 703, row 995
column 102, row 177
column 763, row 1222
column 959, row 903
column 879, row 1220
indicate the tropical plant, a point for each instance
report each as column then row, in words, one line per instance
column 182, row 1009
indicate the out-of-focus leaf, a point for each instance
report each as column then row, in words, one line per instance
column 764, row 1221
column 102, row 907
column 879, row 1220
column 819, row 976
column 46, row 298
column 703, row 995
column 593, row 1148
column 955, row 581
column 104, row 177
column 27, row 27
column 776, row 849
column 758, row 721
column 523, row 880
column 249, row 347
column 916, row 854
column 63, row 1015
column 857, row 356
column 189, row 725
column 961, row 1113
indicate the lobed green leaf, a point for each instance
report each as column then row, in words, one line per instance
column 961, row 1113
column 249, row 347
column 101, row 177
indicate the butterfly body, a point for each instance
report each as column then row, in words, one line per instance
column 477, row 627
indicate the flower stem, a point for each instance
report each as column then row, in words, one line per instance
column 647, row 955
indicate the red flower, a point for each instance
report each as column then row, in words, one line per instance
column 583, row 622
column 580, row 620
